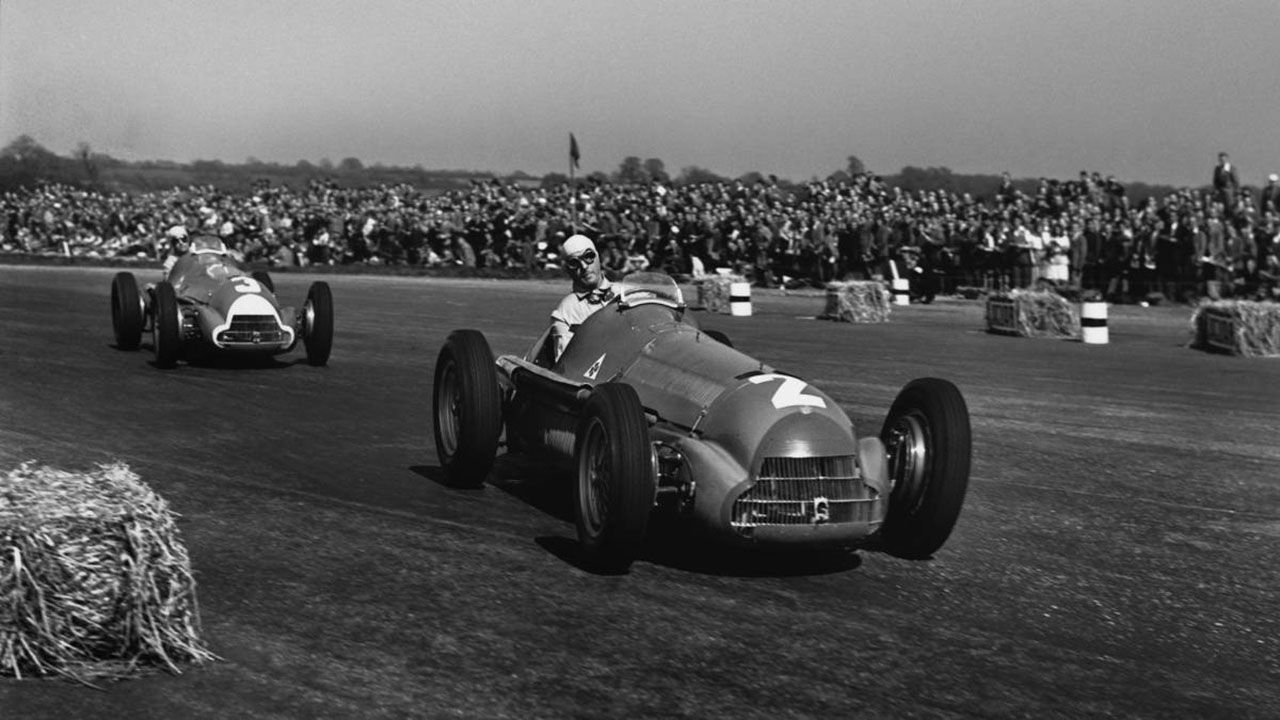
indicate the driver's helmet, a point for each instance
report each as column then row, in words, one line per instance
column 207, row 244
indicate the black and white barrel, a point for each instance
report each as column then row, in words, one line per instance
column 740, row 299
column 1093, row 323
column 901, row 291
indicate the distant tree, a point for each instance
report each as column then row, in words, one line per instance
column 694, row 175
column 751, row 178
column 551, row 180
column 632, row 171
column 656, row 170
column 839, row 176
column 350, row 165
column 304, row 166
column 326, row 164
column 855, row 166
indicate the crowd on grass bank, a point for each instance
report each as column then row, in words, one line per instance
column 1083, row 233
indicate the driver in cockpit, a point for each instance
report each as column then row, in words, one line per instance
column 591, row 290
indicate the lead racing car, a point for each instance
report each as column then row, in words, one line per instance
column 208, row 304
column 648, row 413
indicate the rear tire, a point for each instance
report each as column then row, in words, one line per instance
column 264, row 279
column 166, row 330
column 317, row 323
column 126, row 311
column 928, row 440
column 467, row 408
column 614, row 490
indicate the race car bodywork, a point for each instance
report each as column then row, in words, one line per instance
column 650, row 413
column 208, row 304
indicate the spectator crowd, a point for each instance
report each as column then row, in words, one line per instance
column 1220, row 241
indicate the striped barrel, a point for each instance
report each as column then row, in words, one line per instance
column 740, row 299
column 901, row 291
column 1093, row 323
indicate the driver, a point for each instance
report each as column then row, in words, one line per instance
column 591, row 290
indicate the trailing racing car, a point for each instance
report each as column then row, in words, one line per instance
column 208, row 304
column 649, row 413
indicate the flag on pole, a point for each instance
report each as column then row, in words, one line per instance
column 574, row 155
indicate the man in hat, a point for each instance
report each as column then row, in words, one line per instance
column 1270, row 200
column 591, row 290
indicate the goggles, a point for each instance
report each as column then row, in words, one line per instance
column 579, row 262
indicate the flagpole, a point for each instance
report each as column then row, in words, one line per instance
column 573, row 188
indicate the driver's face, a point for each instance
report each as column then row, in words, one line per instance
column 584, row 268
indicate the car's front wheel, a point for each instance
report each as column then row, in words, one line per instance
column 166, row 326
column 126, row 311
column 467, row 407
column 317, row 323
column 614, row 490
column 928, row 441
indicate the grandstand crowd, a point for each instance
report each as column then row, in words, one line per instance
column 1220, row 241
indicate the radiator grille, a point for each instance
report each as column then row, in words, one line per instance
column 804, row 491
column 252, row 329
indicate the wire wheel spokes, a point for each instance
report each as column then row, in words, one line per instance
column 449, row 411
column 908, row 456
column 595, row 475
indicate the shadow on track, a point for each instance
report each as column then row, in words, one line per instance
column 670, row 542
column 219, row 361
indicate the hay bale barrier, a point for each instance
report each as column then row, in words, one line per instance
column 860, row 301
column 1033, row 313
column 1238, row 327
column 95, row 582
column 714, row 292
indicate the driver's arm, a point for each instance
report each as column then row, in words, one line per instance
column 561, row 334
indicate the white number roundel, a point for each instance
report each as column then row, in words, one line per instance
column 790, row 393
column 246, row 284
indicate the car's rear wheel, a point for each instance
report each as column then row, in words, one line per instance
column 166, row 326
column 317, row 323
column 126, row 311
column 467, row 407
column 614, row 490
column 928, row 441
column 264, row 279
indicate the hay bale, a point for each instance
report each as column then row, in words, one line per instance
column 1239, row 327
column 713, row 292
column 858, row 301
column 1033, row 313
column 94, row 579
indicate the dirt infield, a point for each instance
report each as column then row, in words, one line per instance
column 1116, row 556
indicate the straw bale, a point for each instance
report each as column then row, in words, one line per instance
column 94, row 579
column 1240, row 327
column 1039, row 314
column 860, row 301
column 713, row 292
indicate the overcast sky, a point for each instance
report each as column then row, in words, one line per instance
column 1146, row 90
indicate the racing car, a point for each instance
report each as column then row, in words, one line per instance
column 208, row 304
column 650, row 414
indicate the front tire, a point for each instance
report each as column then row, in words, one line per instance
column 467, row 407
column 614, row 490
column 928, row 439
column 166, row 326
column 126, row 311
column 317, row 323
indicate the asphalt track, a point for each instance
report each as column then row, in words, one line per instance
column 1116, row 556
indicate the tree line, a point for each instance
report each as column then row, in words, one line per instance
column 24, row 162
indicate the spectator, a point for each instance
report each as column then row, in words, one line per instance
column 1226, row 183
